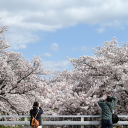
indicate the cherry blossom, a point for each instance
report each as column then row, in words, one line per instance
column 20, row 84
column 74, row 92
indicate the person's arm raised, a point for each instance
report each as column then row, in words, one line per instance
column 40, row 109
column 115, row 101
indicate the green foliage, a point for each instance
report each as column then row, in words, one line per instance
column 19, row 126
column 29, row 118
column 2, row 126
column 22, row 119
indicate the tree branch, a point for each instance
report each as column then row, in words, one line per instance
column 23, row 91
column 10, row 104
column 21, row 79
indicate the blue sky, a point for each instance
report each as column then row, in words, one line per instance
column 55, row 30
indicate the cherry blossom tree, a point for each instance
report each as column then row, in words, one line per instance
column 74, row 92
column 77, row 92
column 20, row 84
column 108, row 70
column 63, row 97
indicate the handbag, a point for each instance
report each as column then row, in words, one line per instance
column 115, row 118
column 34, row 123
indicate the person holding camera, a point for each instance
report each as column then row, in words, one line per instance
column 36, row 114
column 106, row 113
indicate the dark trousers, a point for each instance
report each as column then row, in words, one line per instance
column 106, row 123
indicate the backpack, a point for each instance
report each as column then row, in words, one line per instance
column 34, row 123
column 115, row 118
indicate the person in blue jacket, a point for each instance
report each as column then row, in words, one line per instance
column 106, row 113
column 36, row 108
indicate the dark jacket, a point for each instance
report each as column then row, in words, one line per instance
column 38, row 117
column 106, row 113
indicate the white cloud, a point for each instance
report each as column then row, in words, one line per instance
column 100, row 30
column 22, row 46
column 49, row 16
column 54, row 47
column 56, row 66
column 25, row 17
column 20, row 39
column 46, row 55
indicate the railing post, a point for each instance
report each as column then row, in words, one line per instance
column 25, row 119
column 82, row 119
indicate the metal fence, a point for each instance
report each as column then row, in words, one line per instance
column 66, row 121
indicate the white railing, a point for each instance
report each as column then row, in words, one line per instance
column 64, row 122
